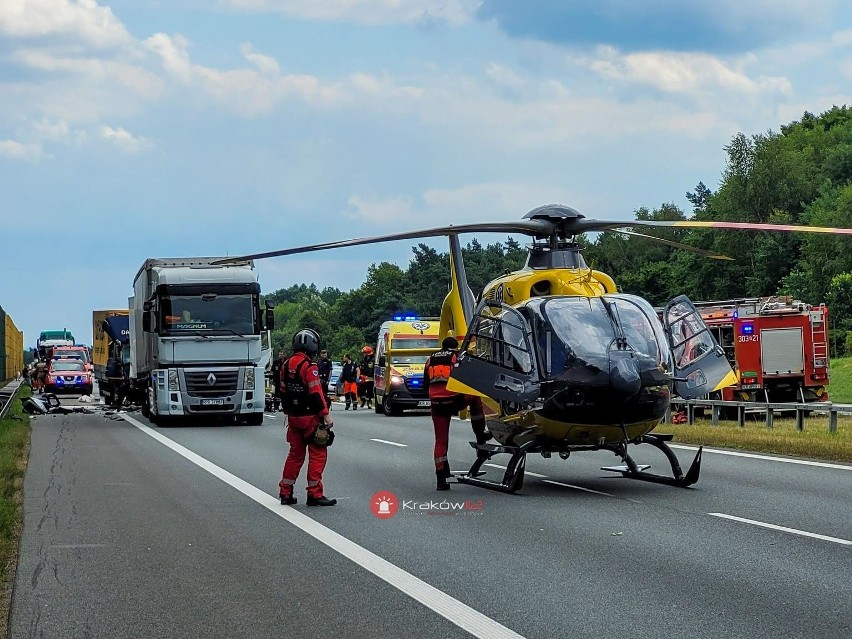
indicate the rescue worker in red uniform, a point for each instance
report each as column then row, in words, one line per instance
column 305, row 405
column 445, row 404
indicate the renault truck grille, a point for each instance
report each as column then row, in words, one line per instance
column 211, row 382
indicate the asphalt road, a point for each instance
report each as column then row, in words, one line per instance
column 176, row 532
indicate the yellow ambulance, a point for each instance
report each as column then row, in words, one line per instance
column 402, row 348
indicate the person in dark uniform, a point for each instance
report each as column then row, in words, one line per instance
column 365, row 389
column 349, row 375
column 276, row 376
column 324, row 365
column 445, row 404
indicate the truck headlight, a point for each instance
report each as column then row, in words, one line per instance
column 249, row 379
column 396, row 379
column 173, row 380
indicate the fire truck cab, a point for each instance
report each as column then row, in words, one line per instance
column 777, row 346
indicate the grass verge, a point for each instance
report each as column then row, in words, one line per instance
column 14, row 450
column 814, row 442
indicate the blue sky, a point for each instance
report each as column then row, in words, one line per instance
column 150, row 128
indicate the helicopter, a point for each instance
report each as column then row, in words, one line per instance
column 563, row 361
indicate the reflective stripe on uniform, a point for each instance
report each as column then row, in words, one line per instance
column 441, row 459
column 288, row 481
column 313, row 483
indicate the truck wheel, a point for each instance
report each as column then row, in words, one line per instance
column 150, row 401
column 378, row 407
column 254, row 419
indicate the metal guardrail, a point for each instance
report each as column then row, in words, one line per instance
column 770, row 408
column 7, row 396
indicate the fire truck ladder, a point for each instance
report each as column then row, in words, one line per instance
column 819, row 339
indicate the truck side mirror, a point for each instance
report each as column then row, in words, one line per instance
column 270, row 319
column 148, row 321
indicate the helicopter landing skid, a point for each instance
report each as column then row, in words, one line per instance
column 632, row 470
column 513, row 477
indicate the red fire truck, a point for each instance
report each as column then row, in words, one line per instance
column 778, row 347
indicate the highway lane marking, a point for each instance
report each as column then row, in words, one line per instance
column 384, row 441
column 451, row 609
column 803, row 462
column 794, row 531
column 585, row 490
column 526, row 472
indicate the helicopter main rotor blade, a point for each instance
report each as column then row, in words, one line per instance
column 604, row 225
column 685, row 247
column 535, row 228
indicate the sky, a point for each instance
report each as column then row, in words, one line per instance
column 132, row 129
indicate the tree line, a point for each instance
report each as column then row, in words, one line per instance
column 801, row 174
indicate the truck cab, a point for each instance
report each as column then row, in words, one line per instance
column 199, row 341
column 403, row 346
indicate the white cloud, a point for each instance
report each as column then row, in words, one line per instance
column 265, row 63
column 370, row 12
column 85, row 20
column 124, row 140
column 133, row 78
column 19, row 151
column 685, row 73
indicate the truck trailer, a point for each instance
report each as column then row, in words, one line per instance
column 111, row 353
column 199, row 340
column 777, row 346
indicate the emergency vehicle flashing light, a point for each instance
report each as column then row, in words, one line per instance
column 748, row 329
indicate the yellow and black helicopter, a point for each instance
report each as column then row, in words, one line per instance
column 563, row 361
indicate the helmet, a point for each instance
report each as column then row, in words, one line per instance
column 321, row 436
column 450, row 343
column 306, row 340
column 367, row 350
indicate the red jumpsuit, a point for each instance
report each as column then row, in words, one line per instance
column 445, row 404
column 300, row 426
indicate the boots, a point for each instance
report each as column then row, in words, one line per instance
column 321, row 501
column 288, row 500
column 442, row 474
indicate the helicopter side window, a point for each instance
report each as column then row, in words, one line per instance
column 501, row 340
column 692, row 339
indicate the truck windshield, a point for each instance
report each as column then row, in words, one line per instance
column 210, row 313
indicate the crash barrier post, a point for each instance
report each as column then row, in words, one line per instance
column 716, row 407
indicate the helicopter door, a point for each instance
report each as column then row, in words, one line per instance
column 700, row 363
column 496, row 358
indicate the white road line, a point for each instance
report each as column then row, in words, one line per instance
column 803, row 533
column 384, row 441
column 453, row 610
column 585, row 490
column 803, row 462
column 526, row 472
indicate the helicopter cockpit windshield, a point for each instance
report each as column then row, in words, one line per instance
column 575, row 335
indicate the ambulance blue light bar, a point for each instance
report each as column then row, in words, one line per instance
column 405, row 318
column 748, row 329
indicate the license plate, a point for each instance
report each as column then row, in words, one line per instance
column 212, row 402
column 750, row 386
column 424, row 402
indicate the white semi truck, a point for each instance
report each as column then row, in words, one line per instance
column 200, row 341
